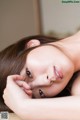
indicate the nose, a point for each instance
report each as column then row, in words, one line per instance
column 42, row 80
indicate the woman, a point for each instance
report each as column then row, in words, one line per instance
column 47, row 71
column 8, row 59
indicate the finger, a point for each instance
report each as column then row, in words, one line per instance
column 11, row 81
column 15, row 77
column 12, row 78
column 23, row 84
column 29, row 92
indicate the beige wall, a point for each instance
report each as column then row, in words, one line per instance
column 17, row 20
column 61, row 18
column 20, row 18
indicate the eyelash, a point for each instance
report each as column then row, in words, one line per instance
column 42, row 95
column 28, row 73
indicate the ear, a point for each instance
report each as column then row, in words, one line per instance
column 33, row 43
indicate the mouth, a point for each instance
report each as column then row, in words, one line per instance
column 57, row 73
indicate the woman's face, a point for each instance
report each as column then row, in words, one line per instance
column 47, row 71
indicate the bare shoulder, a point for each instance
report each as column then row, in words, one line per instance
column 75, row 90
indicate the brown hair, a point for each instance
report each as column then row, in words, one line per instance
column 12, row 60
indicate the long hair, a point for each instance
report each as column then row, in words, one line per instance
column 12, row 60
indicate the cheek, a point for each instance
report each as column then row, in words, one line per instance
column 68, row 69
column 54, row 89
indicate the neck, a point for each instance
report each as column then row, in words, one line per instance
column 71, row 47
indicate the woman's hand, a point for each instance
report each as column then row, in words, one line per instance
column 16, row 91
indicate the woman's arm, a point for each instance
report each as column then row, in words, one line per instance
column 65, row 108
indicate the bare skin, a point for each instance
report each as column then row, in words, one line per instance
column 64, row 108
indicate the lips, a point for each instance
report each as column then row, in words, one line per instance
column 57, row 73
